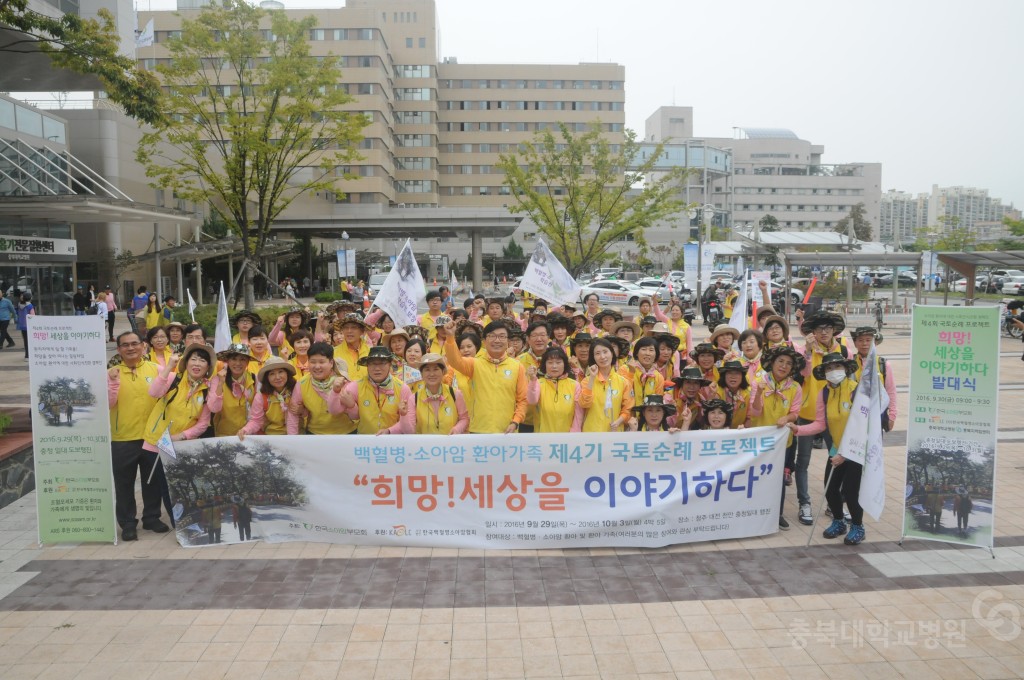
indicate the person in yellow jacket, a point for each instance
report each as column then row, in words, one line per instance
column 232, row 390
column 676, row 322
column 606, row 396
column 538, row 335
column 647, row 379
column 820, row 329
column 154, row 312
column 183, row 395
column 244, row 321
column 553, row 394
column 498, row 381
column 733, row 388
column 469, row 346
column 259, row 348
column 379, row 403
column 440, row 409
column 353, row 345
column 832, row 413
column 706, row 355
column 269, row 411
column 130, row 404
column 315, row 406
column 776, row 397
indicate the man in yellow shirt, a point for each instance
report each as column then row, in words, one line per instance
column 498, row 381
column 537, row 339
column 353, row 345
column 130, row 405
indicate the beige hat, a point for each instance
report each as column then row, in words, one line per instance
column 341, row 368
column 433, row 359
column 272, row 364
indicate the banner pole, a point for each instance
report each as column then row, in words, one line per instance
column 828, row 480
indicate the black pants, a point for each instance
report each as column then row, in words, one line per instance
column 845, row 486
column 790, row 465
column 5, row 337
column 128, row 458
column 24, row 339
column 244, row 531
column 111, row 318
column 961, row 520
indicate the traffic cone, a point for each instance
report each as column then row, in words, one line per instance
column 366, row 300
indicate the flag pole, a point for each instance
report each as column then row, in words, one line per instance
column 828, row 480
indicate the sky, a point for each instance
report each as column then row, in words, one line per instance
column 932, row 89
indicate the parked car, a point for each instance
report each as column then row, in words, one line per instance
column 980, row 285
column 374, row 284
column 906, row 280
column 1013, row 285
column 617, row 292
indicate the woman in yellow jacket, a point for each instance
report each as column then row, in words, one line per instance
column 154, row 313
column 554, row 394
column 440, row 408
column 269, row 412
column 232, row 391
column 606, row 396
column 159, row 346
column 183, row 394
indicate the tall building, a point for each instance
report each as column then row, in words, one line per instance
column 437, row 126
column 964, row 207
column 901, row 216
column 775, row 172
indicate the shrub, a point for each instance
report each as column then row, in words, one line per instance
column 206, row 315
column 327, row 296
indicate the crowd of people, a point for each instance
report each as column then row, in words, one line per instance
column 482, row 368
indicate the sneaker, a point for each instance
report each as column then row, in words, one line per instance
column 783, row 524
column 818, row 443
column 805, row 516
column 848, row 517
column 788, row 477
column 836, row 529
column 856, row 535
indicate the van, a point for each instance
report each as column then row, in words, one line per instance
column 374, row 284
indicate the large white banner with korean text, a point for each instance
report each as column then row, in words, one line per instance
column 480, row 491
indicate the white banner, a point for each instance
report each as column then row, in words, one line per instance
column 222, row 330
column 71, row 429
column 862, row 438
column 739, row 319
column 346, row 263
column 403, row 290
column 546, row 278
column 480, row 491
column 755, row 279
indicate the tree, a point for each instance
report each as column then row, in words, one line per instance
column 1016, row 226
column 608, row 193
column 86, row 46
column 512, row 251
column 958, row 239
column 117, row 263
column 252, row 124
column 768, row 223
column 861, row 225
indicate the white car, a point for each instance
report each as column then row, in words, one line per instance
column 961, row 285
column 1013, row 285
column 616, row 292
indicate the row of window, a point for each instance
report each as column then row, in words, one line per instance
column 798, row 191
column 520, row 84
column 417, row 186
column 522, row 127
column 499, row 148
column 318, row 34
column 505, row 105
column 798, row 208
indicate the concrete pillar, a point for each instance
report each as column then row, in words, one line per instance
column 478, row 261
column 199, row 269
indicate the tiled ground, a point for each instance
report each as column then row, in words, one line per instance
column 760, row 608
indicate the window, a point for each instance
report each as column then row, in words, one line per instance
column 314, row 34
column 423, row 43
column 408, row 42
column 340, row 34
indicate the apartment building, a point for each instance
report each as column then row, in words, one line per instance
column 943, row 209
column 901, row 216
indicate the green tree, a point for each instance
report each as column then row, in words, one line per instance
column 584, row 195
column 252, row 124
column 512, row 251
column 957, row 240
column 86, row 46
column 861, row 225
column 768, row 223
column 1016, row 226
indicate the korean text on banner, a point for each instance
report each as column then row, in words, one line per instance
column 546, row 278
column 71, row 429
column 403, row 289
column 485, row 491
column 862, row 438
column 952, row 413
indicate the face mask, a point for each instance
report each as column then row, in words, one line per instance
column 835, row 376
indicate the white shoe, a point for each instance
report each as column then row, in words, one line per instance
column 805, row 516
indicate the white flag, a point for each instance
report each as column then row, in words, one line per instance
column 191, row 305
column 454, row 284
column 145, row 36
column 862, row 438
column 546, row 278
column 222, row 335
column 738, row 320
column 403, row 290
column 165, row 445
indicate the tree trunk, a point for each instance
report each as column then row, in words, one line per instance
column 247, row 285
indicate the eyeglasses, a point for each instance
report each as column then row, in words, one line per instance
column 502, row 338
column 130, row 344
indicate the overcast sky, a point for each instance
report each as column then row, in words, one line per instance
column 929, row 88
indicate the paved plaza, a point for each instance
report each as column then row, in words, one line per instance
column 765, row 607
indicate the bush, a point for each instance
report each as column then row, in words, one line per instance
column 206, row 315
column 328, row 297
column 5, row 422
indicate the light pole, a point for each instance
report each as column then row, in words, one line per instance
column 707, row 214
column 344, row 240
